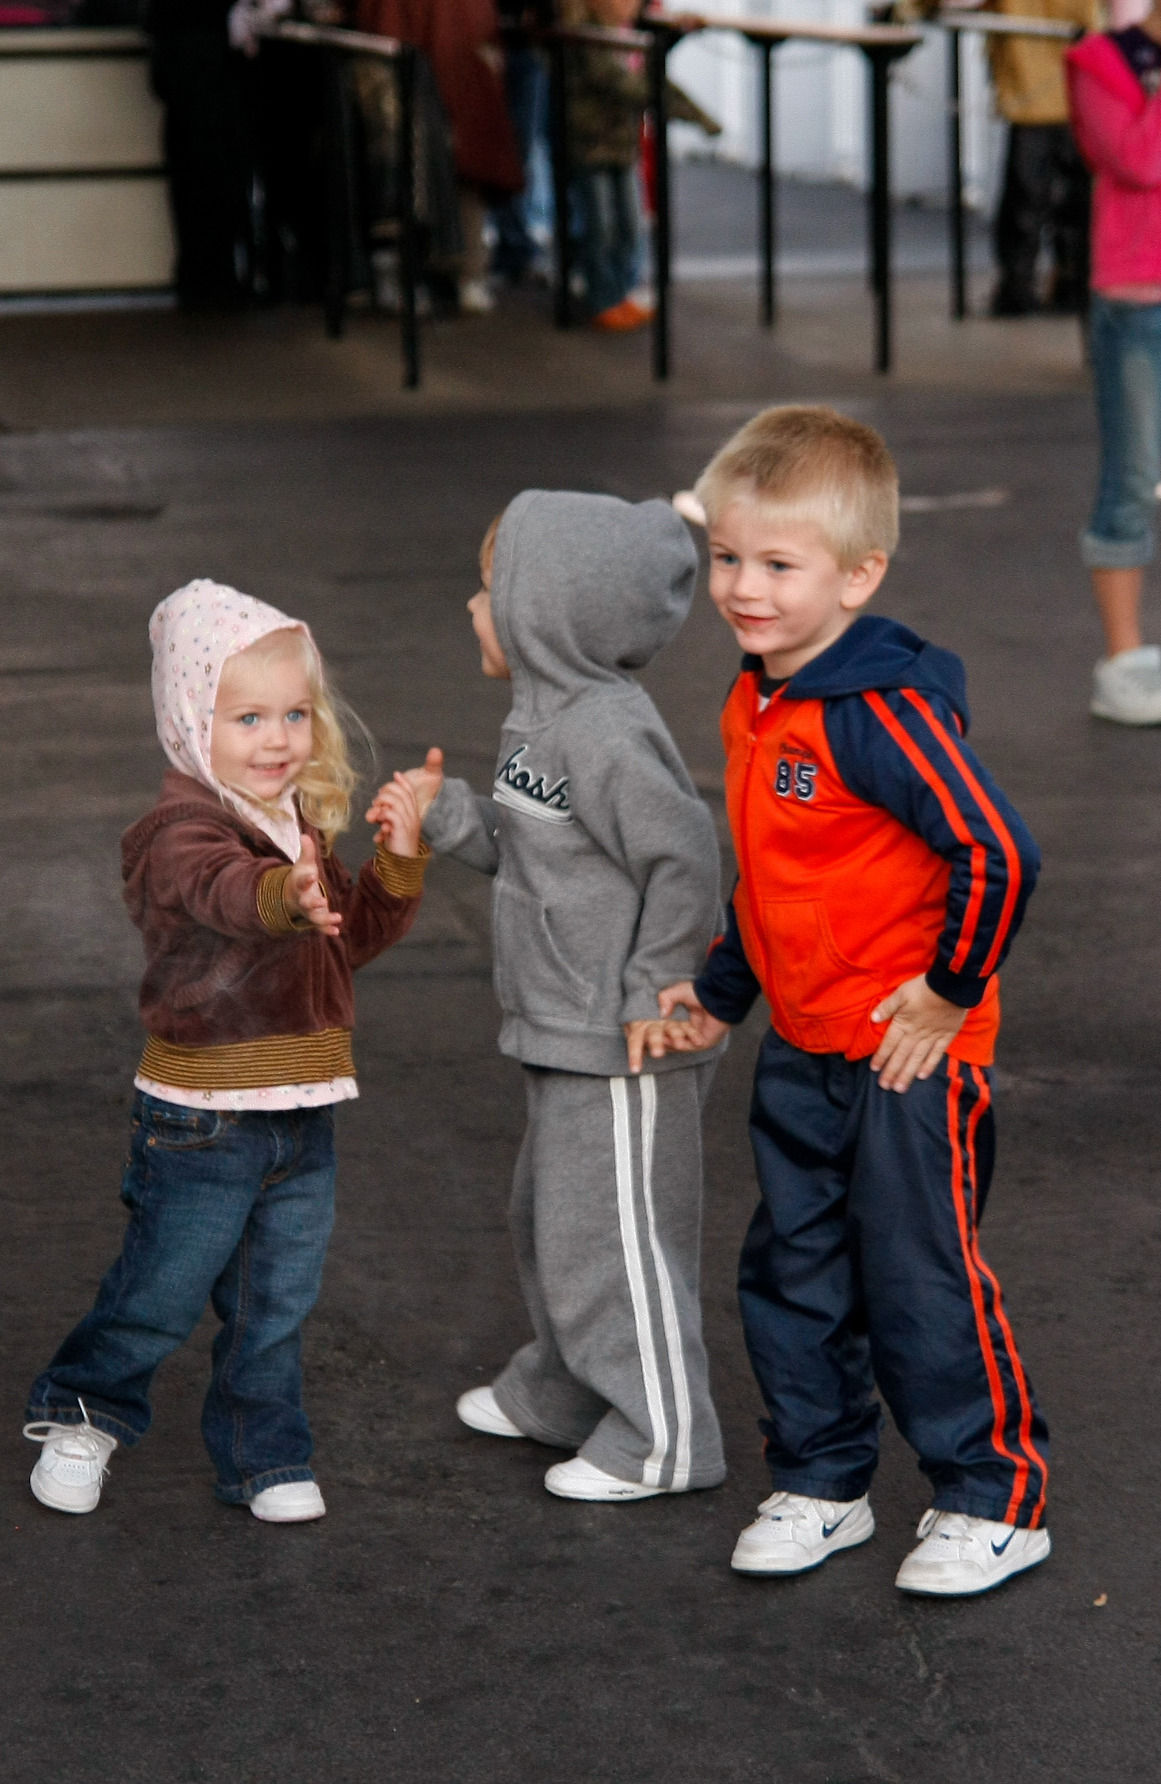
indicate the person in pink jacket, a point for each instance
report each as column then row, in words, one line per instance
column 1114, row 83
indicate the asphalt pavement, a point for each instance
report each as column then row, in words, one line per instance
column 449, row 1622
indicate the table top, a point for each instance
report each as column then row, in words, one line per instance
column 67, row 40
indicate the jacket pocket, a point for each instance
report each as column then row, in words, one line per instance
column 532, row 976
column 810, row 975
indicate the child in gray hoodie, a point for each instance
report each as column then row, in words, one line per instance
column 606, row 889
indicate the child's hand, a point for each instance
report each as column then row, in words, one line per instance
column 396, row 810
column 699, row 1031
column 305, row 893
column 650, row 1035
column 922, row 1026
column 427, row 780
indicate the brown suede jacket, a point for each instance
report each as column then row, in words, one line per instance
column 236, row 992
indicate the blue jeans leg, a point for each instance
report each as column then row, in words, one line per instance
column 213, row 1198
column 1125, row 341
column 607, row 202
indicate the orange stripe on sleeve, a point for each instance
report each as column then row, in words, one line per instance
column 1000, row 829
column 955, row 819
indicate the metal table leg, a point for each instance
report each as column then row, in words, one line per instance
column 955, row 174
column 766, row 199
column 662, row 244
column 408, row 246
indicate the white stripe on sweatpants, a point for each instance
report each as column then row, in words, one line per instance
column 638, row 1291
column 682, row 1457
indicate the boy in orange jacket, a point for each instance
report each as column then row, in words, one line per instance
column 881, row 877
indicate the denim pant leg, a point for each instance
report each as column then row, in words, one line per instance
column 606, row 199
column 188, row 1206
column 1126, row 358
column 191, row 1185
column 253, row 1420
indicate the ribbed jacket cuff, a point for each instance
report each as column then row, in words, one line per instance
column 961, row 989
column 402, row 875
column 272, row 907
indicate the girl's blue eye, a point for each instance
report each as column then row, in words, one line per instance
column 248, row 718
column 295, row 716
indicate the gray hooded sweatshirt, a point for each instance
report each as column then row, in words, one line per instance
column 606, row 860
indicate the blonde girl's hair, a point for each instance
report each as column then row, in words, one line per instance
column 325, row 785
column 809, row 463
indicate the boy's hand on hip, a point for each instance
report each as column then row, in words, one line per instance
column 921, row 1027
column 305, row 893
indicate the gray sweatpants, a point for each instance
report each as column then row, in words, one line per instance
column 606, row 1221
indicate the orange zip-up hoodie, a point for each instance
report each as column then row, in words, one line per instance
column 871, row 845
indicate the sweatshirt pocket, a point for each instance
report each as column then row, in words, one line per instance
column 810, row 975
column 533, row 978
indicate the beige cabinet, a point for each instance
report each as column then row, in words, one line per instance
column 82, row 189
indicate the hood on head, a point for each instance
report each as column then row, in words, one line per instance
column 587, row 588
column 193, row 632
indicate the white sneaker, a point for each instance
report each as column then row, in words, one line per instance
column 71, row 1466
column 291, row 1502
column 1127, row 688
column 792, row 1534
column 958, row 1555
column 480, row 1410
column 578, row 1479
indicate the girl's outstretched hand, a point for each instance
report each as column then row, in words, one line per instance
column 396, row 810
column 305, row 893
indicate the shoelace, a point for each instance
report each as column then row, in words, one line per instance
column 789, row 1516
column 86, row 1437
column 951, row 1527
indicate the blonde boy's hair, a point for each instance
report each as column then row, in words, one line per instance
column 325, row 785
column 808, row 463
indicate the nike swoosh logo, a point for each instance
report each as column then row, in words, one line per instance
column 999, row 1547
column 828, row 1530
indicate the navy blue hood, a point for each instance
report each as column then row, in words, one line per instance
column 878, row 653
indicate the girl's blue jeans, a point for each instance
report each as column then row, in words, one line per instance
column 610, row 247
column 1125, row 344
column 234, row 1209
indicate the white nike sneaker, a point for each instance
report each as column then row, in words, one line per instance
column 480, row 1410
column 958, row 1555
column 793, row 1534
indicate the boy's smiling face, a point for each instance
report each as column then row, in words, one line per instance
column 780, row 589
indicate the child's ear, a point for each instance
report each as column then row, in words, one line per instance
column 863, row 580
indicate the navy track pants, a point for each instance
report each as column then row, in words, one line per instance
column 862, row 1266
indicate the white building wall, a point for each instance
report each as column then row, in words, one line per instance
column 820, row 103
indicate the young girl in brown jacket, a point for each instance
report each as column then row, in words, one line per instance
column 251, row 928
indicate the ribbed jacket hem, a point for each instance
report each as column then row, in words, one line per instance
column 250, row 1065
